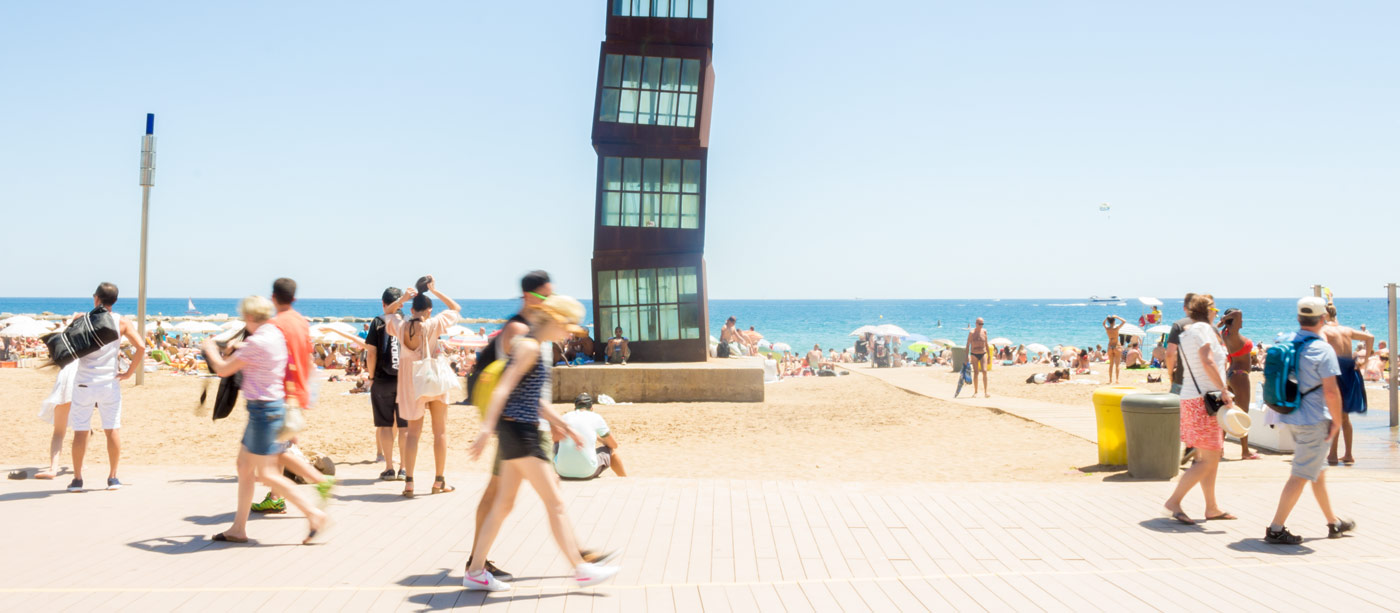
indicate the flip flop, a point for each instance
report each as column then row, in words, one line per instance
column 318, row 536
column 224, row 538
column 1331, row 462
column 1179, row 516
column 1221, row 517
column 19, row 474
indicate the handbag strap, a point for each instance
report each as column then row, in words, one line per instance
column 1186, row 358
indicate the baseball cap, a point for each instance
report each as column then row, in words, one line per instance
column 583, row 401
column 1312, row 306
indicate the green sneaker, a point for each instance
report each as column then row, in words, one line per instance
column 270, row 504
column 324, row 489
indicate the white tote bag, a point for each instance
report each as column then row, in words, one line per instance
column 432, row 376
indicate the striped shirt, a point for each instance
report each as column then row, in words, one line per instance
column 524, row 402
column 264, row 356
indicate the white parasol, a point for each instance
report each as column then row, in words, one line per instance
column 781, row 347
column 863, row 330
column 197, row 327
column 1000, row 341
column 1037, row 348
column 1132, row 330
column 25, row 329
column 1150, row 301
column 889, row 330
column 1160, row 329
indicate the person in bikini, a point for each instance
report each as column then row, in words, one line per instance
column 977, row 354
column 1350, row 382
column 1237, row 364
column 1115, row 350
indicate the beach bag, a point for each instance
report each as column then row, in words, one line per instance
column 432, row 376
column 967, row 372
column 86, row 335
column 1281, row 375
column 486, row 384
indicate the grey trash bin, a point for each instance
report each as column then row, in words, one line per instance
column 1152, row 427
column 959, row 358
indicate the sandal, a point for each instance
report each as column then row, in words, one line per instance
column 1179, row 516
column 408, row 487
column 1252, row 456
column 224, row 538
column 1221, row 517
column 440, row 486
column 387, row 475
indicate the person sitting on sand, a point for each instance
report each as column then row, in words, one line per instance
column 1133, row 360
column 1081, row 365
column 590, row 460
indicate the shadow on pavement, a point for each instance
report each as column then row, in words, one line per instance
column 1257, row 545
column 437, row 601
column 1166, row 525
column 13, row 496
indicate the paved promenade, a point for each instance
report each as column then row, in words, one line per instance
column 703, row 545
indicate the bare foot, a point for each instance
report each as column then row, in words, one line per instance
column 47, row 474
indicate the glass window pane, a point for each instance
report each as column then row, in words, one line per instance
column 632, row 174
column 699, row 9
column 690, row 212
column 690, row 75
column 632, row 71
column 627, row 111
column 651, row 210
column 646, row 324
column 607, row 319
column 692, row 177
column 663, row 8
column 626, row 287
column 680, row 8
column 666, row 109
column 670, row 323
column 631, row 209
column 671, row 176
column 666, row 283
column 688, row 282
column 670, row 211
column 612, row 70
column 689, row 316
column 612, row 173
column 685, row 111
column 646, row 109
column 627, row 318
column 607, row 111
column 651, row 73
column 651, row 175
column 646, row 286
column 612, row 208
column 671, row 74
column 607, row 292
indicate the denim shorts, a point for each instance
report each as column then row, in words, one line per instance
column 1310, row 449
column 264, row 422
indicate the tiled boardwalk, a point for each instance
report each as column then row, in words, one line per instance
column 703, row 545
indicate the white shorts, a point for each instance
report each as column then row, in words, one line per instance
column 105, row 397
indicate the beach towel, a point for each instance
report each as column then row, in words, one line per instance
column 62, row 392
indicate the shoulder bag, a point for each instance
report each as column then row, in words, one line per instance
column 432, row 376
column 1213, row 400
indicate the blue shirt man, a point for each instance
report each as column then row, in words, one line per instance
column 1316, row 361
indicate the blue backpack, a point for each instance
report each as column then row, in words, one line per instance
column 1281, row 375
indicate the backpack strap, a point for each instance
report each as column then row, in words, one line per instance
column 1298, row 347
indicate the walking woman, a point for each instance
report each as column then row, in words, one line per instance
column 418, row 339
column 55, row 411
column 1237, row 371
column 513, row 414
column 1203, row 357
column 262, row 358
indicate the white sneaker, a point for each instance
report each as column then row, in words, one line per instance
column 484, row 581
column 589, row 575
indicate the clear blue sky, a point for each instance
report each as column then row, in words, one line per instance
column 905, row 149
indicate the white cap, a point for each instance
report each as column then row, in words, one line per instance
column 1312, row 306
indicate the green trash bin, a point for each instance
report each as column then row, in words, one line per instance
column 1152, row 424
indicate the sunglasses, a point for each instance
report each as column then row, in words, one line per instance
column 538, row 296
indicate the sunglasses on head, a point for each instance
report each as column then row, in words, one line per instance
column 538, row 296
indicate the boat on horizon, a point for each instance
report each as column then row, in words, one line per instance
column 191, row 310
column 1108, row 299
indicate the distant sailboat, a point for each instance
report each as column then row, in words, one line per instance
column 192, row 310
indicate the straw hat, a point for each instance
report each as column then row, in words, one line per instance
column 564, row 310
column 1234, row 421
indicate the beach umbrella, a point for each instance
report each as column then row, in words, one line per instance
column 923, row 346
column 232, row 325
column 336, row 325
column 1132, row 330
column 196, row 327
column 764, row 343
column 25, row 329
column 890, row 330
column 466, row 342
column 1037, row 348
column 456, row 331
column 17, row 319
column 863, row 330
column 781, row 347
column 1161, row 329
column 1150, row 301
column 915, row 338
column 1000, row 341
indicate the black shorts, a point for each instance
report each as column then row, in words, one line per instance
column 519, row 439
column 384, row 397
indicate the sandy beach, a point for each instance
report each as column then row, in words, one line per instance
column 848, row 428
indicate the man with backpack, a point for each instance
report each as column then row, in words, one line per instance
column 1312, row 412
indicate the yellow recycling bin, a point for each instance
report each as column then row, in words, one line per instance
column 1108, row 409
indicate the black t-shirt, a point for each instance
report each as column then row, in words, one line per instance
column 492, row 352
column 1174, row 338
column 386, row 349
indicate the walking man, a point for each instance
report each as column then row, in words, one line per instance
column 97, row 385
column 1313, row 424
column 383, row 366
column 1350, row 383
column 977, row 355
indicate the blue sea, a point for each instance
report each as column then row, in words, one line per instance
column 802, row 323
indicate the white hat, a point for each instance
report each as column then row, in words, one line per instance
column 1234, row 421
column 1312, row 306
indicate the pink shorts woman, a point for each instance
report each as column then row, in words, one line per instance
column 1198, row 428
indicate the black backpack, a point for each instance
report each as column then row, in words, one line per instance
column 87, row 334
